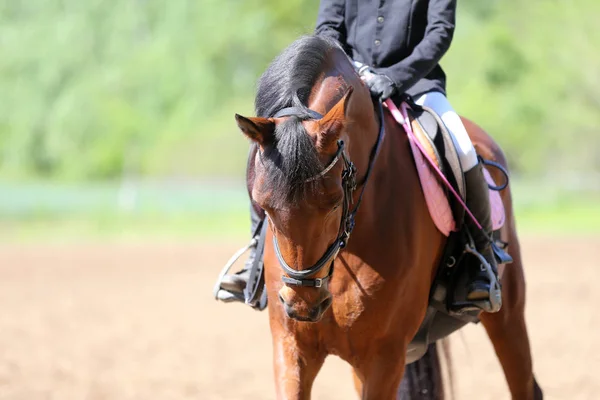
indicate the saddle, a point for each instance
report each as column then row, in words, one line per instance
column 434, row 139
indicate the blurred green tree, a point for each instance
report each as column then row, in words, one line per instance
column 96, row 89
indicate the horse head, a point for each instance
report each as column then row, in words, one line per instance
column 304, row 178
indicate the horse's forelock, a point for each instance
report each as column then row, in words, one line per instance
column 292, row 159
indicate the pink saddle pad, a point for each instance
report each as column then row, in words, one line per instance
column 437, row 202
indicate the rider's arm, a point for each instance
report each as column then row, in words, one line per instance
column 428, row 53
column 330, row 20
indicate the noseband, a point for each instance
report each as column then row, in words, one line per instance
column 300, row 278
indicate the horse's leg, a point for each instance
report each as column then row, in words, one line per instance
column 295, row 370
column 380, row 377
column 357, row 383
column 507, row 329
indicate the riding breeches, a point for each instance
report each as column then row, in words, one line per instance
column 438, row 102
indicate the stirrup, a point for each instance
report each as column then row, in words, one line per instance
column 255, row 293
column 230, row 297
column 224, row 295
column 491, row 305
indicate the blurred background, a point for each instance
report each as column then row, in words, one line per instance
column 122, row 192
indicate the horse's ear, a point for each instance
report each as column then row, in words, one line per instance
column 257, row 129
column 332, row 124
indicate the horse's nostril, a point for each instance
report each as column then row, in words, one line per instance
column 281, row 298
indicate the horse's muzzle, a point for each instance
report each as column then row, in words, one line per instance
column 306, row 314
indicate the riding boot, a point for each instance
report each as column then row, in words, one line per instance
column 236, row 283
column 479, row 285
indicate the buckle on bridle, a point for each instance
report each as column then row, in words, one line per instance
column 349, row 176
column 349, row 173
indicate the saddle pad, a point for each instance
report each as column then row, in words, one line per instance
column 498, row 214
column 436, row 199
column 437, row 202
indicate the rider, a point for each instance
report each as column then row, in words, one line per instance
column 401, row 42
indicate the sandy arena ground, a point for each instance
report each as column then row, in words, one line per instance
column 137, row 321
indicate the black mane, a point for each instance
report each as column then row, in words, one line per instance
column 287, row 82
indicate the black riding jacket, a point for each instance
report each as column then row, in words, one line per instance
column 403, row 39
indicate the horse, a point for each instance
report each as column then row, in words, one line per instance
column 328, row 161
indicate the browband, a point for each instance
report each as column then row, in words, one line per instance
column 297, row 111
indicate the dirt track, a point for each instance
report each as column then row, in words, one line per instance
column 137, row 321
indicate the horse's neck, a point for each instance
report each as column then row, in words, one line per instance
column 393, row 206
column 393, row 191
column 393, row 248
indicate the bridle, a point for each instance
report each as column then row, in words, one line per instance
column 300, row 278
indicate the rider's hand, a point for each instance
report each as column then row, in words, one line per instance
column 380, row 85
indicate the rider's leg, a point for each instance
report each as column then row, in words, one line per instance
column 477, row 196
column 236, row 283
column 438, row 102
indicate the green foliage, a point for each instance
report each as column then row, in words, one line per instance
column 96, row 89
column 529, row 74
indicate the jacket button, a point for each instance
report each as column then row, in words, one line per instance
column 380, row 19
column 377, row 42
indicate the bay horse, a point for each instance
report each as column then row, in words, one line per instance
column 362, row 297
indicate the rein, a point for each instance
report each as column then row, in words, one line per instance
column 300, row 278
